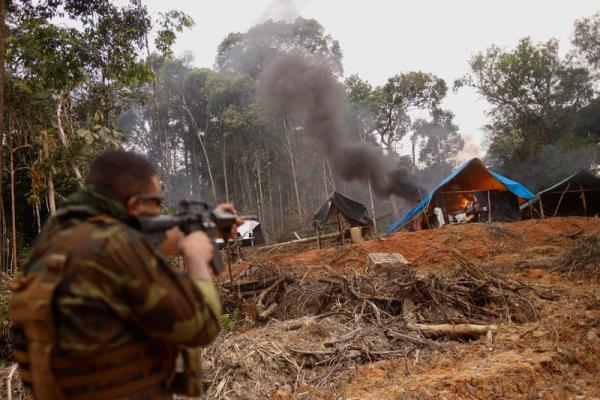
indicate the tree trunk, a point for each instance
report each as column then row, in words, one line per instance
column 414, row 151
column 372, row 203
column 225, row 170
column 247, row 183
column 195, row 174
column 202, row 144
column 280, row 206
column 3, row 252
column 13, row 212
column 49, row 179
column 38, row 219
column 332, row 180
column 364, row 138
column 259, row 191
column 241, row 183
column 325, row 191
column 295, row 179
column 208, row 167
column 394, row 206
column 271, row 202
column 63, row 138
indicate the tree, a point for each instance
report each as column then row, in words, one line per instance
column 363, row 106
column 249, row 52
column 586, row 40
column 72, row 67
column 401, row 95
column 440, row 143
column 530, row 89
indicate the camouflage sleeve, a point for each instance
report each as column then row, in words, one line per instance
column 165, row 303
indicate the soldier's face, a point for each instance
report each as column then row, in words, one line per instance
column 146, row 204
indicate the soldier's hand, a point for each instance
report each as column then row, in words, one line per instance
column 230, row 208
column 197, row 242
column 170, row 246
column 197, row 249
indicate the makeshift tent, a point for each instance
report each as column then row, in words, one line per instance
column 250, row 233
column 472, row 187
column 578, row 194
column 353, row 212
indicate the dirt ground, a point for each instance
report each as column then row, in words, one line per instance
column 555, row 357
column 333, row 329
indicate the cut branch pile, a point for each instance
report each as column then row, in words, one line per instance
column 306, row 333
column 469, row 295
column 303, row 354
column 582, row 255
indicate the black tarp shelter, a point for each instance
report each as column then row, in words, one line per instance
column 578, row 194
column 341, row 208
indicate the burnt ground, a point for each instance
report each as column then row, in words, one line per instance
column 320, row 324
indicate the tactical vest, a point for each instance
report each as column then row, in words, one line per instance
column 140, row 369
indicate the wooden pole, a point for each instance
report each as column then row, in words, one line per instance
column 229, row 270
column 445, row 210
column 583, row 198
column 425, row 208
column 531, row 210
column 372, row 202
column 489, row 206
column 575, row 191
column 301, row 241
column 317, row 235
column 337, row 215
column 561, row 197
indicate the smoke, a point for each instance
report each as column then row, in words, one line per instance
column 469, row 150
column 282, row 10
column 296, row 83
column 551, row 164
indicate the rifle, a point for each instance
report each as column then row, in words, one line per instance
column 191, row 216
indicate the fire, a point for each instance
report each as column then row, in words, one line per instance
column 464, row 202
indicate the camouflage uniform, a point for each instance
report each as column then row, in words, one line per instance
column 114, row 289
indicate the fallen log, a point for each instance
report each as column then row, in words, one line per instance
column 264, row 315
column 453, row 330
column 301, row 241
column 261, row 297
column 413, row 339
column 247, row 286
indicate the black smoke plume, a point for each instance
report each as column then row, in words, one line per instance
column 296, row 83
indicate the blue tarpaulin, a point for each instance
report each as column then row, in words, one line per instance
column 515, row 187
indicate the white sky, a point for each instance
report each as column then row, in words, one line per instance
column 381, row 38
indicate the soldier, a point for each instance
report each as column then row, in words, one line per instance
column 97, row 313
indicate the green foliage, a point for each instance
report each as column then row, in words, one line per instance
column 171, row 23
column 402, row 94
column 96, row 131
column 440, row 142
column 586, row 39
column 227, row 324
column 5, row 343
column 250, row 52
column 72, row 68
column 531, row 90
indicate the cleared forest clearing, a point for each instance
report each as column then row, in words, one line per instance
column 518, row 306
column 323, row 324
